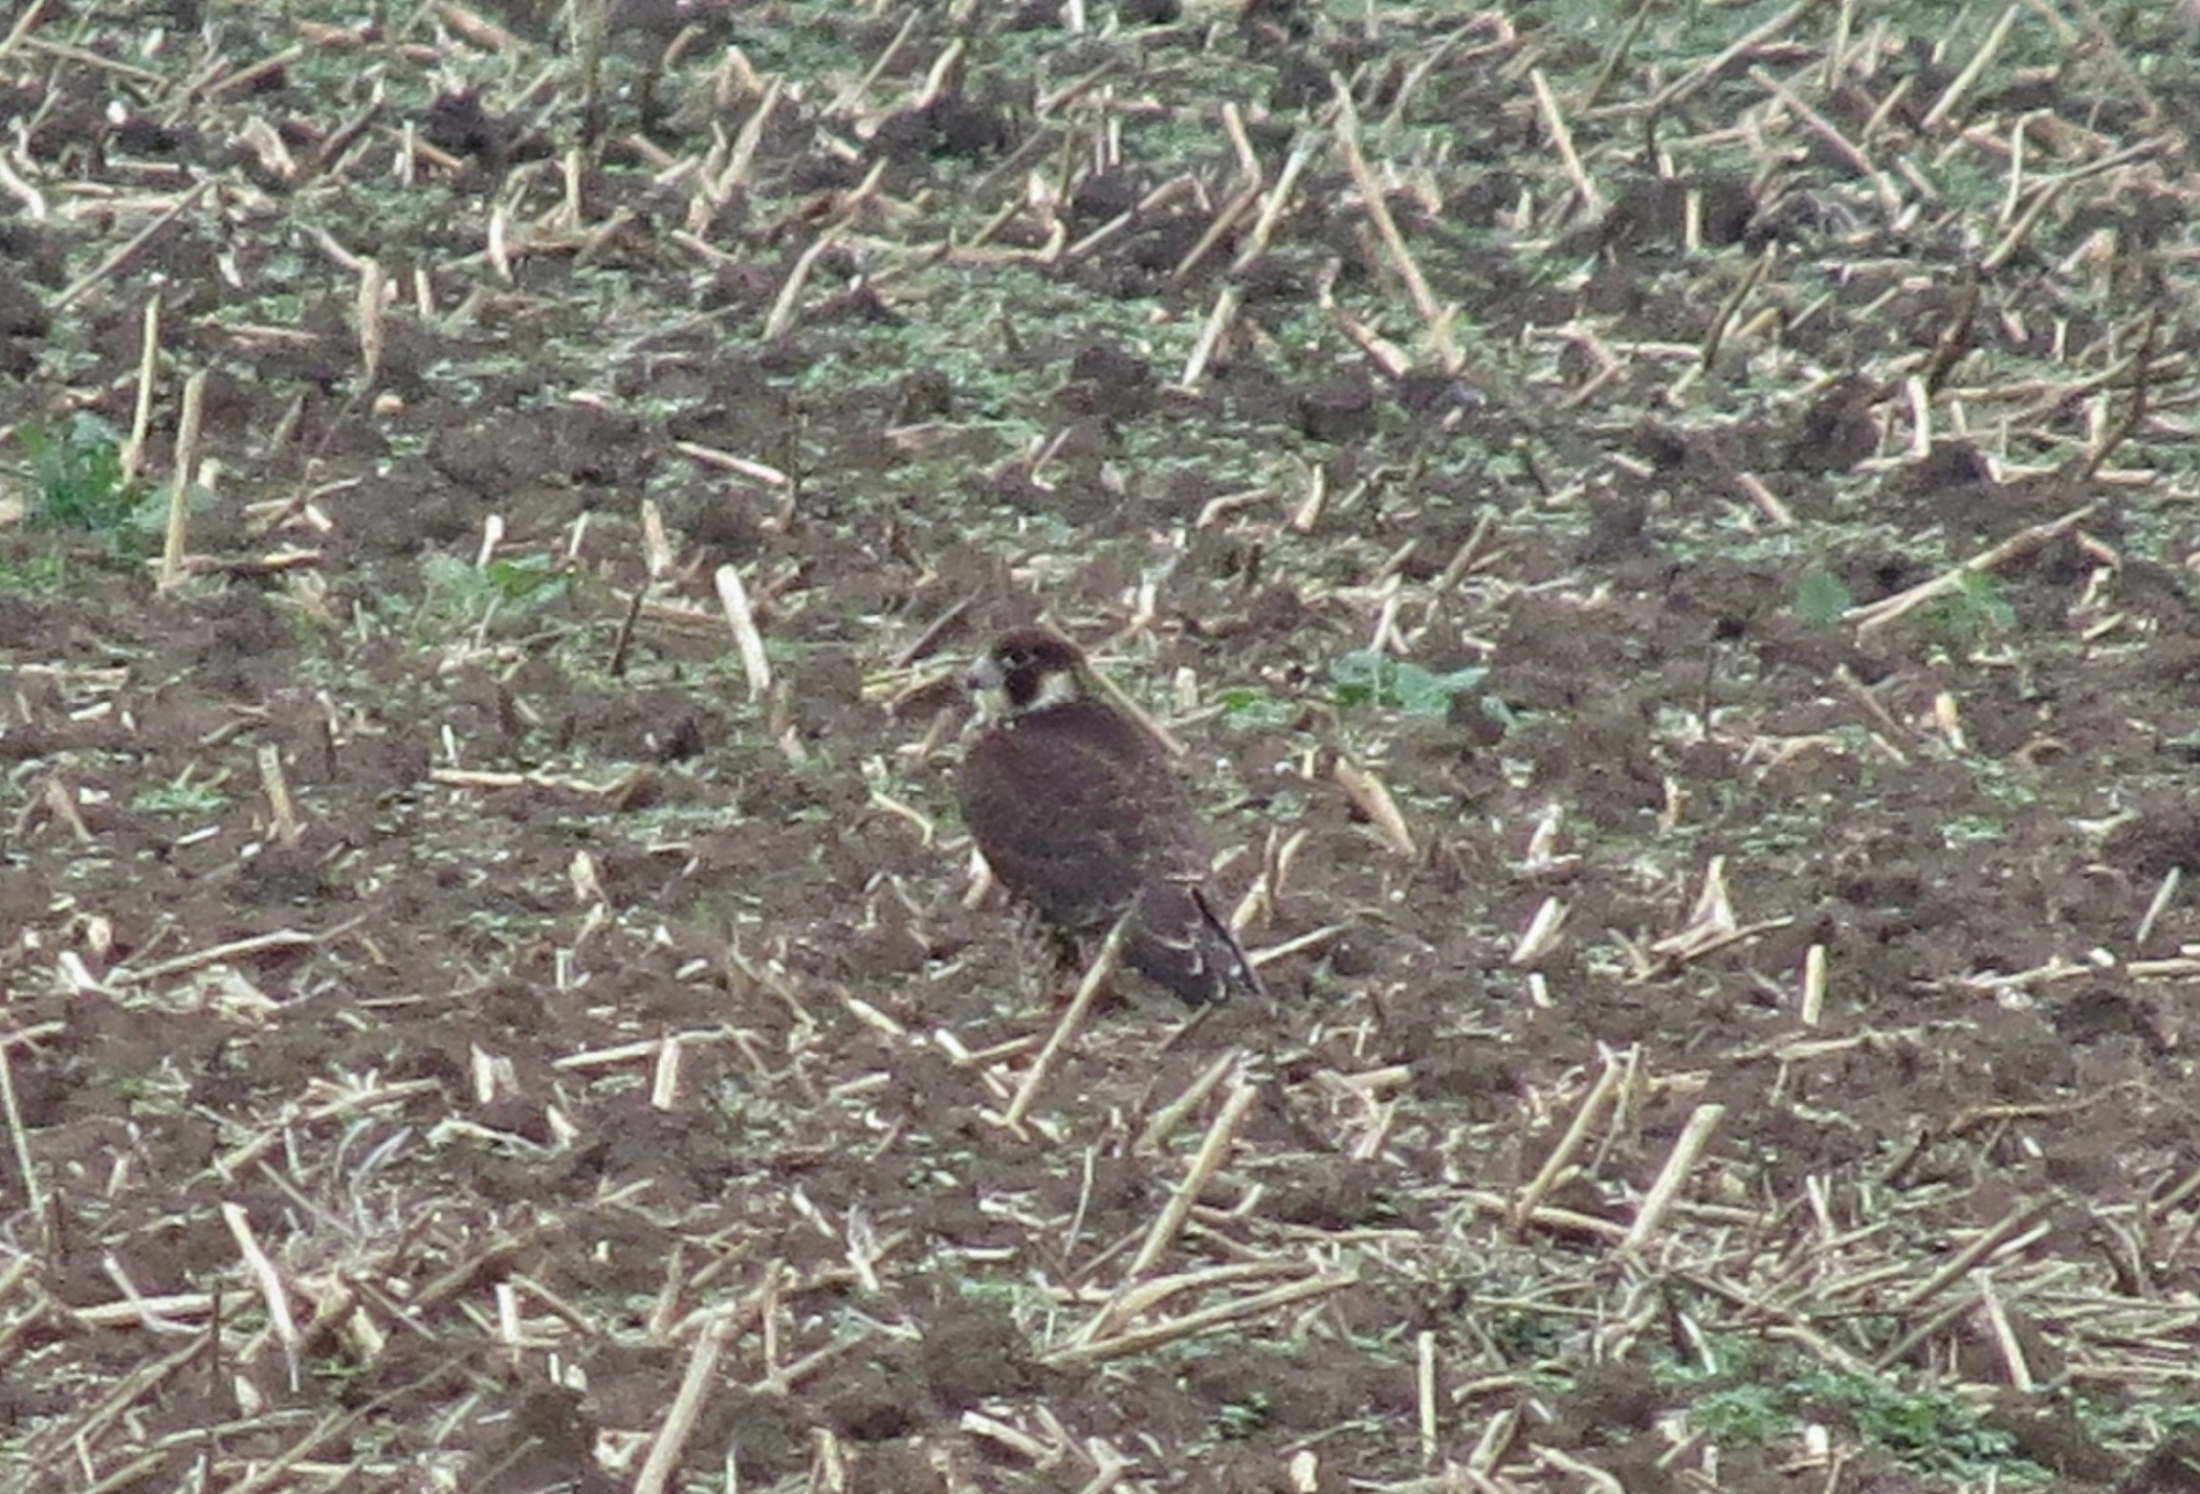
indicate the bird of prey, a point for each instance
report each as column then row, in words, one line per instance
column 1076, row 809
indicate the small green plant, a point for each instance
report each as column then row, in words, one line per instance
column 1244, row 1417
column 1750, row 1415
column 2143, row 1422
column 80, row 486
column 33, row 571
column 1369, row 677
column 1971, row 830
column 180, row 797
column 1525, row 1337
column 1255, row 709
column 458, row 590
column 1761, row 1399
column 1974, row 612
column 1822, row 598
column 1934, row 1429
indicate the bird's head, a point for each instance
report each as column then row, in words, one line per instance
column 1026, row 670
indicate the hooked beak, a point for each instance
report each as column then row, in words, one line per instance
column 983, row 675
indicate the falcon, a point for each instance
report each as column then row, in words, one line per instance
column 1076, row 809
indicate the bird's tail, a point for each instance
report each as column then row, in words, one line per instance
column 1181, row 942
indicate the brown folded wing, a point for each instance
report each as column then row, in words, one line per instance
column 1079, row 814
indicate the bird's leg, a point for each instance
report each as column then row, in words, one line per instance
column 1046, row 955
column 1069, row 952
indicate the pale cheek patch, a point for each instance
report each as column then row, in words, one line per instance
column 1055, row 688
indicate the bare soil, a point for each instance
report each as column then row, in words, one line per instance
column 455, row 1008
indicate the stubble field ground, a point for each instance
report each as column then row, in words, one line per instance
column 1666, row 534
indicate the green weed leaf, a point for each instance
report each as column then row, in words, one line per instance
column 1822, row 598
column 1254, row 709
column 1368, row 677
column 80, row 483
